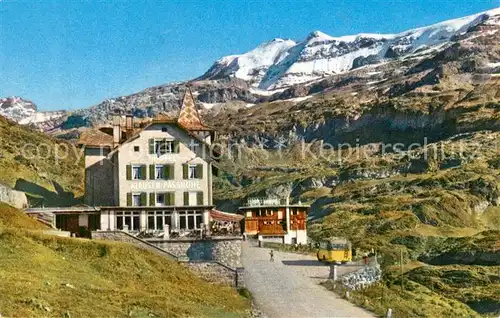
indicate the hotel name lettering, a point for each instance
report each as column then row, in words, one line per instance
column 169, row 184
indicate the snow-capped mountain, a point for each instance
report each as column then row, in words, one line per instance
column 251, row 66
column 281, row 63
column 16, row 108
column 463, row 52
column 25, row 112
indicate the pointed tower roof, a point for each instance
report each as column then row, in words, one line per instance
column 189, row 117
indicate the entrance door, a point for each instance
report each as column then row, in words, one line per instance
column 94, row 222
column 68, row 222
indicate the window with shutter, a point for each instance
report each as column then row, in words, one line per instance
column 161, row 199
column 162, row 146
column 171, row 200
column 199, row 171
column 171, row 171
column 192, row 171
column 138, row 173
column 129, row 172
column 136, row 199
column 129, row 199
column 167, row 172
column 169, row 146
column 199, row 198
column 144, row 199
column 152, row 172
column 176, row 146
column 160, row 172
column 151, row 146
column 152, row 199
column 186, row 198
column 185, row 170
column 143, row 172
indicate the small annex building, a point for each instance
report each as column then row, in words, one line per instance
column 275, row 220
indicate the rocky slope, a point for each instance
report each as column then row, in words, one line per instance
column 424, row 63
column 281, row 63
column 17, row 108
column 25, row 112
column 444, row 64
column 12, row 197
column 440, row 93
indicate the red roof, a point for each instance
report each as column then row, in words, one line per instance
column 96, row 138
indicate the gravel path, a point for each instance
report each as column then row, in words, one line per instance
column 289, row 286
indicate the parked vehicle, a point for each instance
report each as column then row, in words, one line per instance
column 334, row 250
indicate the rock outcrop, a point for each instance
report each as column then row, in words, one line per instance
column 12, row 197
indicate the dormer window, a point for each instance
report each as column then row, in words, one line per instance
column 162, row 146
column 193, row 145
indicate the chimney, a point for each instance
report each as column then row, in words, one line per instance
column 129, row 125
column 116, row 129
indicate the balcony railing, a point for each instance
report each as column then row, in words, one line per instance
column 256, row 202
column 264, row 202
column 271, row 229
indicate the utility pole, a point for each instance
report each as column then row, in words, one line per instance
column 93, row 188
column 401, row 265
column 287, row 213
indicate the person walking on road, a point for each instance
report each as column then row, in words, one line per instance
column 271, row 253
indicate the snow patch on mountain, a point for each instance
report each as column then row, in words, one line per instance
column 16, row 109
column 250, row 66
column 42, row 117
column 282, row 63
column 25, row 112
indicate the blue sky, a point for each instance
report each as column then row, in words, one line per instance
column 73, row 54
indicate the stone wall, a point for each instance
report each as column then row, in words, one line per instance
column 216, row 260
column 362, row 278
column 226, row 250
column 213, row 272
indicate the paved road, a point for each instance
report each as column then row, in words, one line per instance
column 289, row 286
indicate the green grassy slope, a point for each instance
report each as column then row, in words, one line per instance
column 13, row 218
column 46, row 276
column 28, row 163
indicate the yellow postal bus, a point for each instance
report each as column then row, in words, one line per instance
column 334, row 250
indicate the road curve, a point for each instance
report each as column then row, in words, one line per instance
column 289, row 286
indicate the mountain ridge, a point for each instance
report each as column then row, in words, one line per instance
column 25, row 112
column 335, row 55
column 243, row 80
